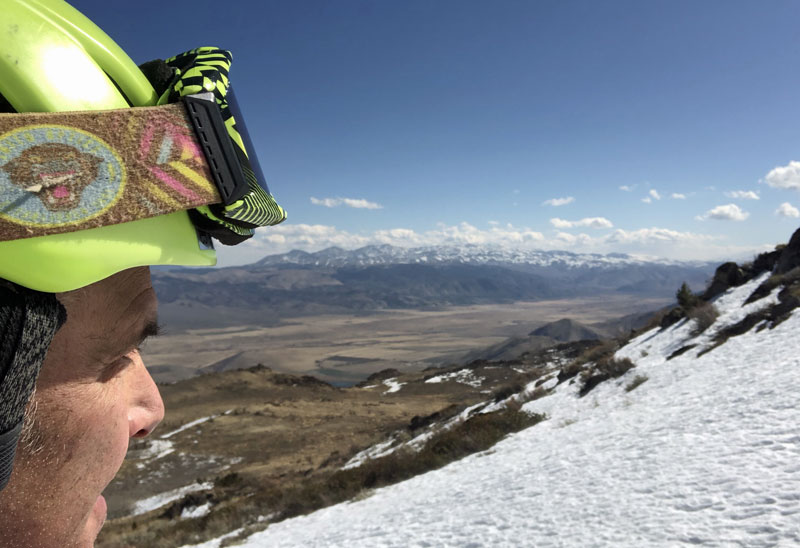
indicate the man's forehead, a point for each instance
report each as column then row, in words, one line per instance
column 113, row 311
column 130, row 292
column 124, row 292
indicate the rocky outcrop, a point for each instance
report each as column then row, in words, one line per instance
column 766, row 262
column 727, row 275
column 790, row 255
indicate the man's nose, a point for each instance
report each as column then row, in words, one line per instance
column 146, row 408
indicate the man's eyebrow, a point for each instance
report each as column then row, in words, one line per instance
column 150, row 328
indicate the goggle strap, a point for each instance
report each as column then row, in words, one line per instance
column 63, row 172
column 213, row 136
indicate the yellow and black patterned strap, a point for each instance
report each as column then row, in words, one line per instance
column 206, row 69
column 63, row 172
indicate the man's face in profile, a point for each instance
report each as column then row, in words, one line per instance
column 92, row 396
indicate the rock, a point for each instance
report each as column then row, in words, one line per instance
column 672, row 317
column 790, row 255
column 766, row 262
column 727, row 275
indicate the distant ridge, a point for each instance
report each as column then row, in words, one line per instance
column 334, row 281
column 566, row 330
column 462, row 254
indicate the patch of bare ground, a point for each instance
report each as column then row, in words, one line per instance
column 275, row 444
column 348, row 348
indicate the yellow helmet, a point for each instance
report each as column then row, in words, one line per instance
column 53, row 59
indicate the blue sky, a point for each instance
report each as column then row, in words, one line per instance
column 421, row 122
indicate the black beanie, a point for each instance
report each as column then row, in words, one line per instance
column 28, row 322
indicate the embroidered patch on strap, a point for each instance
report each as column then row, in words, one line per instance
column 62, row 172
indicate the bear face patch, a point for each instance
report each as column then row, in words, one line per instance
column 55, row 175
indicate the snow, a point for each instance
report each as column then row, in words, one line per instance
column 156, row 449
column 416, row 443
column 376, row 451
column 463, row 376
column 393, row 385
column 196, row 511
column 191, row 424
column 706, row 452
column 159, row 448
column 215, row 543
column 157, row 501
column 466, row 254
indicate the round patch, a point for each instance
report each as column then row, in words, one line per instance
column 56, row 175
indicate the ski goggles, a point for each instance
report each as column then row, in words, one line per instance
column 68, row 171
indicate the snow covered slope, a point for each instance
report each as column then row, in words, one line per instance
column 705, row 452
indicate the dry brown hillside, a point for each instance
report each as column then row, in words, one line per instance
column 252, row 444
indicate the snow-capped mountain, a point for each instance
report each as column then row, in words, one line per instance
column 464, row 254
column 379, row 277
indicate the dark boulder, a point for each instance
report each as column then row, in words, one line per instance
column 727, row 275
column 672, row 317
column 766, row 262
column 790, row 255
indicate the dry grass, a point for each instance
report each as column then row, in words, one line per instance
column 637, row 381
column 788, row 279
column 603, row 370
column 704, row 316
column 351, row 347
column 244, row 502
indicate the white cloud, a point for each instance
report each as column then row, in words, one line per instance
column 302, row 236
column 627, row 188
column 647, row 200
column 678, row 196
column 742, row 195
column 560, row 223
column 359, row 203
column 727, row 212
column 787, row 210
column 654, row 194
column 559, row 201
column 785, row 177
column 649, row 236
column 591, row 222
column 566, row 238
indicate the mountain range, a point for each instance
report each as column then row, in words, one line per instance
column 461, row 254
column 373, row 278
